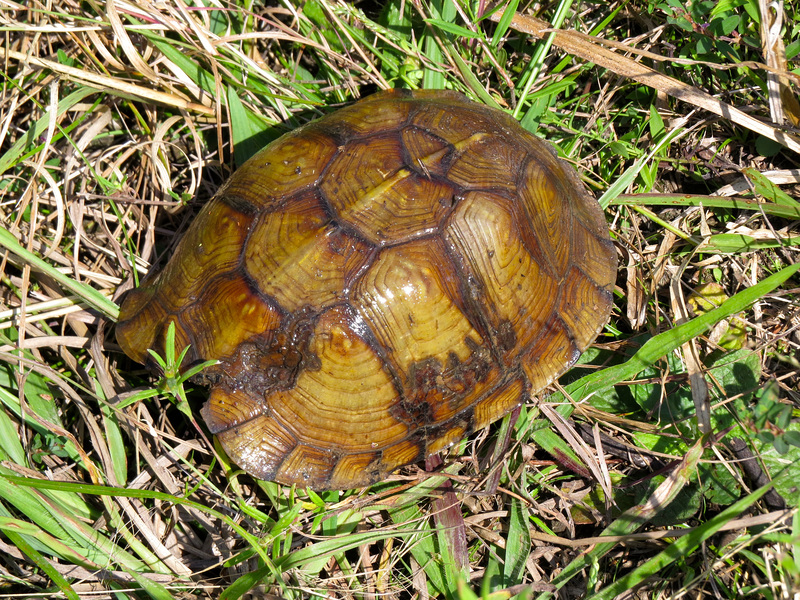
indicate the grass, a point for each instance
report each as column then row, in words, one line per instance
column 640, row 475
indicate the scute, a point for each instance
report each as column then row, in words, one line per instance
column 517, row 293
column 379, row 283
column 298, row 257
column 291, row 163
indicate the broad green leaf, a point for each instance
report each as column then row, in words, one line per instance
column 783, row 468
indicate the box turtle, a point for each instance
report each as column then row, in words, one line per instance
column 378, row 284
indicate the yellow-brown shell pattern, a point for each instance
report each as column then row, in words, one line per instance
column 377, row 285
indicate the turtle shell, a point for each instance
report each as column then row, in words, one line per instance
column 378, row 284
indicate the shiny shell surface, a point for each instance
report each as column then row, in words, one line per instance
column 377, row 285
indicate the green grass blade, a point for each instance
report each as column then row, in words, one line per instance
column 505, row 21
column 245, row 127
column 766, row 188
column 13, row 154
column 423, row 546
column 670, row 340
column 536, row 63
column 10, row 445
column 35, row 510
column 736, row 243
column 729, row 203
column 681, row 548
column 88, row 294
column 333, row 546
column 200, row 76
column 54, row 545
column 41, row 562
column 245, row 583
column 153, row 589
column 635, row 517
column 454, row 29
column 473, row 82
column 116, row 442
column 108, row 491
column 518, row 543
column 625, row 180
column 433, row 78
